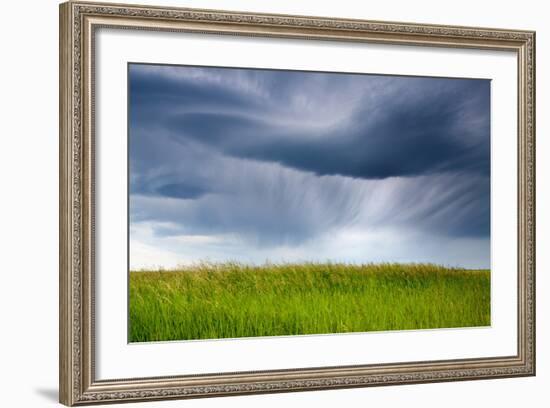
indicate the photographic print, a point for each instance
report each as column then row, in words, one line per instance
column 269, row 202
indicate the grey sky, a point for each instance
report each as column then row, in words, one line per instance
column 254, row 165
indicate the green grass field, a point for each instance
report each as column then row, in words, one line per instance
column 213, row 301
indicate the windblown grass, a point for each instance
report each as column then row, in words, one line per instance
column 212, row 301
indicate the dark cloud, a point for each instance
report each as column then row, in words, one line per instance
column 279, row 157
column 154, row 93
column 421, row 126
column 423, row 136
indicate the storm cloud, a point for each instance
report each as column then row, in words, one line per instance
column 254, row 164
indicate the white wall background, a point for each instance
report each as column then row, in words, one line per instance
column 28, row 203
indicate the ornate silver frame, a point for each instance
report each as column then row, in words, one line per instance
column 78, row 22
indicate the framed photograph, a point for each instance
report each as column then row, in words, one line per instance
column 255, row 203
